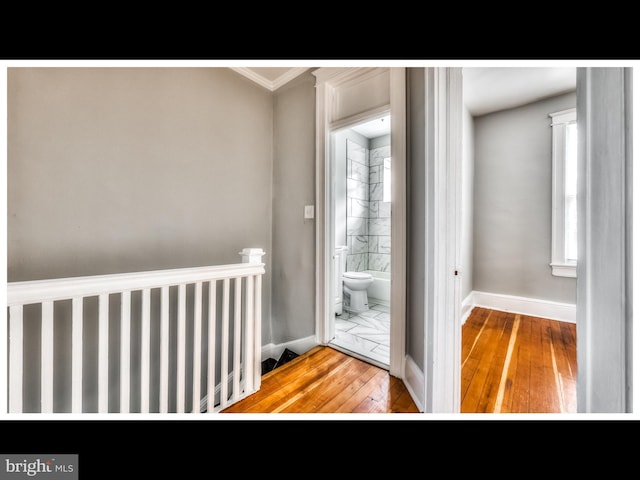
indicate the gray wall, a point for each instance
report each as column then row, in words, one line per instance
column 293, row 308
column 512, row 203
column 416, row 215
column 115, row 170
column 127, row 169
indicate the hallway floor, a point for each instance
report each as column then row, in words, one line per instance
column 365, row 334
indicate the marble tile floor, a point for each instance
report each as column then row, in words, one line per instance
column 365, row 334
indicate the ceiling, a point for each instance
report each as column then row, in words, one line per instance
column 489, row 89
column 485, row 89
column 374, row 128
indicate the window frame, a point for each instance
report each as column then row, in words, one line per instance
column 560, row 266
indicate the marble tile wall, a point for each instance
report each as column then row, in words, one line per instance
column 379, row 229
column 368, row 215
column 357, row 207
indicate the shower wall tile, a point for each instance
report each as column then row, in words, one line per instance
column 384, row 244
column 375, row 174
column 357, row 263
column 357, row 226
column 379, row 229
column 368, row 217
column 379, row 226
column 375, row 191
column 358, row 208
column 358, row 171
column 357, row 189
column 384, row 209
column 356, row 152
column 377, row 155
column 380, row 262
column 373, row 209
column 373, row 243
column 358, row 244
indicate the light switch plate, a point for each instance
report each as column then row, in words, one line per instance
column 308, row 211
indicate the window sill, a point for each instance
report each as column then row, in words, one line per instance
column 563, row 270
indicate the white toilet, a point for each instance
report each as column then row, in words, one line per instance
column 355, row 286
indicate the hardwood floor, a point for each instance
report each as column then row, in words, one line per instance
column 514, row 363
column 511, row 363
column 324, row 380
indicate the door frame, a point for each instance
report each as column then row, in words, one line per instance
column 343, row 90
column 443, row 330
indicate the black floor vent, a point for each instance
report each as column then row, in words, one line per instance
column 268, row 365
column 271, row 364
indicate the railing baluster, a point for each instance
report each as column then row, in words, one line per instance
column 103, row 353
column 224, row 358
column 248, row 349
column 237, row 337
column 15, row 359
column 76, row 354
column 211, row 368
column 125, row 352
column 164, row 350
column 46, row 351
column 257, row 359
column 182, row 335
column 145, row 351
column 197, row 346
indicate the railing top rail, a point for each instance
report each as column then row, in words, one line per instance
column 36, row 291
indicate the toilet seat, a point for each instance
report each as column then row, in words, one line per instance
column 357, row 275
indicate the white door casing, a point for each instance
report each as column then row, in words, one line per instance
column 345, row 96
column 442, row 361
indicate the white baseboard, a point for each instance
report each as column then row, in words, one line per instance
column 415, row 382
column 299, row 346
column 466, row 307
column 565, row 312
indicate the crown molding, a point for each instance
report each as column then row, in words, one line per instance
column 268, row 84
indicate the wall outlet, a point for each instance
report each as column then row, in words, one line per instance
column 308, row 211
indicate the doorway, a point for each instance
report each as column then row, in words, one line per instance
column 346, row 97
column 514, row 181
column 361, row 217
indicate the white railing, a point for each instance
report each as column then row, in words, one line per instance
column 213, row 312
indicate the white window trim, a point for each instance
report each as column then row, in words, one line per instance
column 560, row 267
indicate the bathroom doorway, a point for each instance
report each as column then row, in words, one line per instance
column 347, row 97
column 361, row 217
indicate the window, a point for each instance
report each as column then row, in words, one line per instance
column 564, row 232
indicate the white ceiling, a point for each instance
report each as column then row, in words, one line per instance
column 485, row 89
column 374, row 128
column 489, row 89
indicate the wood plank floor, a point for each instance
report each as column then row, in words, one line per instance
column 324, row 380
column 514, row 363
column 510, row 363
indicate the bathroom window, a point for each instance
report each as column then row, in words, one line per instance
column 386, row 180
column 564, row 254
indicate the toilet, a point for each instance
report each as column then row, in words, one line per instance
column 355, row 286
